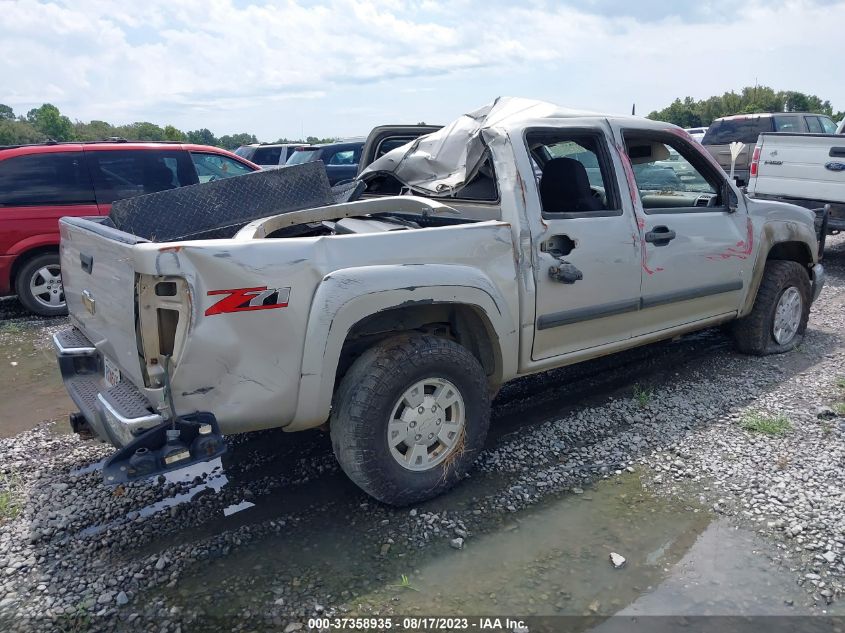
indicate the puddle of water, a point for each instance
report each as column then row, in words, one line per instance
column 31, row 388
column 550, row 560
column 237, row 507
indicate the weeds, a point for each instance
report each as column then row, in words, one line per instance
column 405, row 583
column 9, row 508
column 775, row 425
column 642, row 395
column 840, row 382
column 839, row 408
column 78, row 621
column 827, row 428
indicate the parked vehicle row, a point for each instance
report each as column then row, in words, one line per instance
column 527, row 238
column 43, row 182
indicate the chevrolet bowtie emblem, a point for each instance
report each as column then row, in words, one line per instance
column 88, row 300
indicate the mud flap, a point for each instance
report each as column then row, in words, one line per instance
column 196, row 438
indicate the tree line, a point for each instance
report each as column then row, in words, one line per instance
column 47, row 123
column 691, row 113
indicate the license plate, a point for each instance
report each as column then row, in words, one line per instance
column 111, row 373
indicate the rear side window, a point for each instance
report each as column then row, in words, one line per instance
column 745, row 130
column 787, row 124
column 122, row 174
column 303, row 156
column 828, row 126
column 50, row 178
column 343, row 157
column 813, row 124
column 267, row 155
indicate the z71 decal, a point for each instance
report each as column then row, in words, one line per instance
column 246, row 299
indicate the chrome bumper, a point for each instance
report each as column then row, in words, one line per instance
column 116, row 414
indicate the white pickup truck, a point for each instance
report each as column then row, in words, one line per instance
column 525, row 237
column 804, row 169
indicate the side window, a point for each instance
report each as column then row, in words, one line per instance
column 216, row 167
column 828, row 126
column 49, row 178
column 125, row 173
column 391, row 143
column 267, row 156
column 786, row 123
column 670, row 174
column 574, row 173
column 343, row 157
column 814, row 126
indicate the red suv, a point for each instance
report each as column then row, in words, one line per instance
column 41, row 183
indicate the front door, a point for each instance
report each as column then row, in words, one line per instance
column 696, row 241
column 588, row 263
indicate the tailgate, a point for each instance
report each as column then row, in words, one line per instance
column 802, row 166
column 722, row 154
column 98, row 275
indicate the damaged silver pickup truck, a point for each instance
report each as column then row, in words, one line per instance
column 519, row 238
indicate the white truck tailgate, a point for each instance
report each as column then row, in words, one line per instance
column 99, row 282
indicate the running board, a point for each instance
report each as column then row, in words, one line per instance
column 166, row 447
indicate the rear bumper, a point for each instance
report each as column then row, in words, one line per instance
column 118, row 414
column 818, row 280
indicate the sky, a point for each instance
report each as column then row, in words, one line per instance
column 294, row 68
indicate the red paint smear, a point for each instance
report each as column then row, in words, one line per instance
column 632, row 188
column 742, row 249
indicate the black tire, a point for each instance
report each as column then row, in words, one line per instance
column 25, row 275
column 754, row 333
column 364, row 403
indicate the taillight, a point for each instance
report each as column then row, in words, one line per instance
column 163, row 314
column 755, row 160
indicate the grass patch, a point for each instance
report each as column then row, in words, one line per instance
column 404, row 583
column 839, row 408
column 9, row 508
column 775, row 425
column 643, row 395
column 840, row 382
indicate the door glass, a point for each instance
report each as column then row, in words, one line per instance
column 828, row 126
column 49, row 178
column 267, row 155
column 666, row 178
column 786, row 124
column 212, row 167
column 570, row 175
column 344, row 157
column 125, row 173
column 813, row 124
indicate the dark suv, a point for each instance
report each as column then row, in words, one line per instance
column 745, row 128
column 341, row 159
column 41, row 183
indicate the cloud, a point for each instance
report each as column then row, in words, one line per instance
column 242, row 62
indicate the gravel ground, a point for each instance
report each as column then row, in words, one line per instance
column 77, row 556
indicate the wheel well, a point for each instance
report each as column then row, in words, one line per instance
column 24, row 257
column 461, row 323
column 793, row 251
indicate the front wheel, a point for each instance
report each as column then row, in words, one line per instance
column 779, row 317
column 39, row 285
column 410, row 417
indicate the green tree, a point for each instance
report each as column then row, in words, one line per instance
column 202, row 136
column 6, row 113
column 49, row 121
column 93, row 130
column 16, row 132
column 234, row 141
column 173, row 134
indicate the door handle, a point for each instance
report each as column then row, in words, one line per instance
column 660, row 235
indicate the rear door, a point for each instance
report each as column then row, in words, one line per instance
column 587, row 272
column 696, row 243
column 125, row 173
column 35, row 191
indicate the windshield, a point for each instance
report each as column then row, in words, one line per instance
column 745, row 130
column 303, row 155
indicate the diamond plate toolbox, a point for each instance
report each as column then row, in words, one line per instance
column 219, row 208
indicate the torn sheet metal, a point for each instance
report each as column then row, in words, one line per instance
column 218, row 209
column 439, row 164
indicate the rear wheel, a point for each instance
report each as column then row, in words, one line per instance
column 410, row 417
column 778, row 320
column 39, row 285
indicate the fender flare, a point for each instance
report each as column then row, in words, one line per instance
column 347, row 296
column 775, row 232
